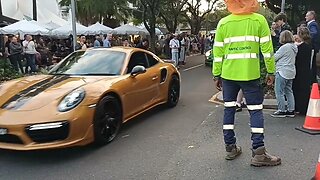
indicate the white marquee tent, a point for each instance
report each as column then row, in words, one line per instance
column 158, row 31
column 128, row 29
column 98, row 28
column 25, row 27
column 47, row 10
column 66, row 30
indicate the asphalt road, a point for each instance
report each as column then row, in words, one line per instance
column 181, row 143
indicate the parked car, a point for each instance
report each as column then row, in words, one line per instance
column 85, row 98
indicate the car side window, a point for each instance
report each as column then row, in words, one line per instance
column 137, row 58
column 152, row 61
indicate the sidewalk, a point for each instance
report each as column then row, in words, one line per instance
column 267, row 103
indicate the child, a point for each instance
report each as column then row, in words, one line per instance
column 285, row 73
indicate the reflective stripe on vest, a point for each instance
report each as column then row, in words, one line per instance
column 218, row 59
column 267, row 55
column 242, row 56
column 257, row 130
column 241, row 39
column 265, row 39
column 218, row 44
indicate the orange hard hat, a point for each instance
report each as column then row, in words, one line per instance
column 242, row 6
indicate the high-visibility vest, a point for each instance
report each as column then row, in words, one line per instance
column 238, row 42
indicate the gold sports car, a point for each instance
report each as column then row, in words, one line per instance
column 84, row 99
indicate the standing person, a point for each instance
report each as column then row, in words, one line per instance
column 188, row 43
column 275, row 33
column 182, row 59
column 16, row 54
column 30, row 53
column 82, row 43
column 167, row 46
column 301, row 84
column 107, row 41
column 285, row 73
column 237, row 66
column 162, row 43
column 315, row 39
column 97, row 42
column 282, row 22
column 174, row 46
column 202, row 44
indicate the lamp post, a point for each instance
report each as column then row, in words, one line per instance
column 283, row 3
column 74, row 30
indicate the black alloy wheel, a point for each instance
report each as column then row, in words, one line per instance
column 108, row 120
column 173, row 92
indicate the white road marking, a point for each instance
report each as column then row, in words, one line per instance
column 193, row 67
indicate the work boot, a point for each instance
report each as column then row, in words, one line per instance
column 260, row 157
column 232, row 151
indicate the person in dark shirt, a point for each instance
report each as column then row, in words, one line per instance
column 282, row 21
column 275, row 34
column 301, row 83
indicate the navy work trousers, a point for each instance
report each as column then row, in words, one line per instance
column 253, row 94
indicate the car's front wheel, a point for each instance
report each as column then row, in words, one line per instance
column 173, row 92
column 107, row 121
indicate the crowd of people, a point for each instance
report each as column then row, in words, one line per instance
column 296, row 68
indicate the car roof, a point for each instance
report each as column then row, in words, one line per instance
column 126, row 50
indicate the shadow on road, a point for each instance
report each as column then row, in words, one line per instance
column 46, row 156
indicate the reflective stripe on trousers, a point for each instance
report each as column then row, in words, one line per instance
column 254, row 97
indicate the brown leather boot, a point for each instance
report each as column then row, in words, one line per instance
column 232, row 151
column 260, row 157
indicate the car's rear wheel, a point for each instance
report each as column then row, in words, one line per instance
column 173, row 92
column 107, row 121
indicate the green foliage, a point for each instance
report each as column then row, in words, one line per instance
column 295, row 9
column 267, row 13
column 7, row 72
column 92, row 11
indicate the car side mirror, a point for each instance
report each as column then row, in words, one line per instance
column 138, row 70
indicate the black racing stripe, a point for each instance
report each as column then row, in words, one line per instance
column 23, row 97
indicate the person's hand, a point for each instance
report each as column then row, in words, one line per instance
column 218, row 83
column 273, row 33
column 270, row 79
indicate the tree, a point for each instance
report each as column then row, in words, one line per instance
column 150, row 12
column 170, row 11
column 90, row 11
column 212, row 19
column 195, row 16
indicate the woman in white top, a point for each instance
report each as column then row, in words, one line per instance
column 30, row 53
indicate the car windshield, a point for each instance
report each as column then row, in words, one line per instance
column 94, row 62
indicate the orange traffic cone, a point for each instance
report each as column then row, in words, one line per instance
column 312, row 121
column 317, row 176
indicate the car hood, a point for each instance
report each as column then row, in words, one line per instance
column 34, row 92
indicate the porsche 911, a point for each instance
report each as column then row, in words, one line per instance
column 85, row 98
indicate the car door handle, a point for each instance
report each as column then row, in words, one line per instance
column 155, row 78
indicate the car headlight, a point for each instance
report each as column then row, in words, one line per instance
column 208, row 53
column 71, row 100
